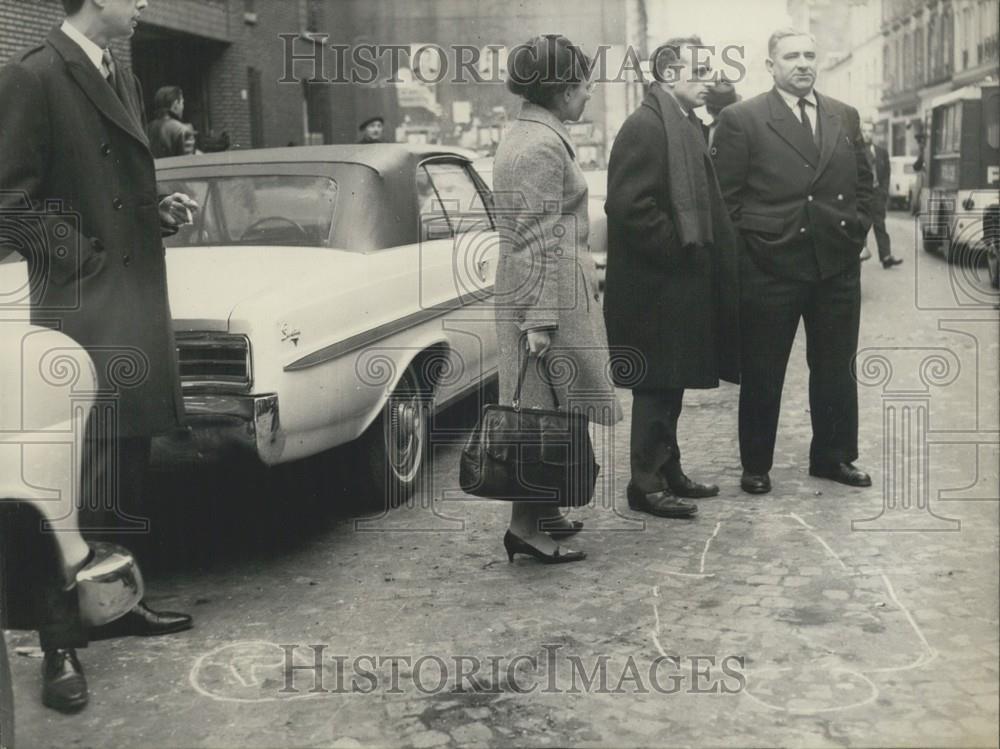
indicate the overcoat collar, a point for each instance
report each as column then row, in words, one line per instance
column 657, row 99
column 94, row 86
column 787, row 126
column 534, row 113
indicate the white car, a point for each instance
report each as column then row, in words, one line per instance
column 329, row 295
column 47, row 387
column 902, row 181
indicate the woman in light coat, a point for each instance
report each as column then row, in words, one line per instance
column 547, row 304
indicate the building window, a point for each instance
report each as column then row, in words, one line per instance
column 947, row 42
column 918, row 53
column 908, row 61
column 933, row 47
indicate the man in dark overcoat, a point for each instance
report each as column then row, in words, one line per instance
column 671, row 286
column 793, row 170
column 878, row 161
column 75, row 166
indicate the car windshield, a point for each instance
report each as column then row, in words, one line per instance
column 267, row 209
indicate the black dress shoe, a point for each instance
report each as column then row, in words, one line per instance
column 558, row 534
column 516, row 545
column 64, row 687
column 662, row 504
column 142, row 621
column 685, row 487
column 891, row 261
column 843, row 473
column 755, row 483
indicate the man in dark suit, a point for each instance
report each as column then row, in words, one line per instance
column 793, row 170
column 670, row 300
column 72, row 144
column 878, row 160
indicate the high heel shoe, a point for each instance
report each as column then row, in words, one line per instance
column 515, row 545
column 558, row 534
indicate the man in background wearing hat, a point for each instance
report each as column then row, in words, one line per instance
column 720, row 96
column 372, row 129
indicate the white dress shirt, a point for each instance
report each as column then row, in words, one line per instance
column 812, row 106
column 94, row 53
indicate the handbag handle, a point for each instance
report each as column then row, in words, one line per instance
column 516, row 403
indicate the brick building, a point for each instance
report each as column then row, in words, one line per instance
column 224, row 54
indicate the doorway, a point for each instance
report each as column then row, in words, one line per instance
column 161, row 57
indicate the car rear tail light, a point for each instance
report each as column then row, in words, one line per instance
column 214, row 361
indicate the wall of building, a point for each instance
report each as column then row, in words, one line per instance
column 856, row 78
column 207, row 47
column 477, row 23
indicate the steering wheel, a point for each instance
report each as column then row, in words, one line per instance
column 280, row 219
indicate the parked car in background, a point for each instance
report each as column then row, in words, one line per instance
column 329, row 295
column 902, row 182
column 597, row 186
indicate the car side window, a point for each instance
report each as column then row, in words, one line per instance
column 434, row 223
column 459, row 196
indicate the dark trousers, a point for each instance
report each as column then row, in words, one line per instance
column 769, row 317
column 878, row 226
column 653, row 446
column 112, row 475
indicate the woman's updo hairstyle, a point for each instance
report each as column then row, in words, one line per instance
column 544, row 67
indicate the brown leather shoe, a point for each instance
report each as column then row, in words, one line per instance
column 64, row 687
column 662, row 504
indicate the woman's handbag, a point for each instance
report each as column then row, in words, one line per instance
column 522, row 454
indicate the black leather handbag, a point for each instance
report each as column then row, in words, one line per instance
column 530, row 454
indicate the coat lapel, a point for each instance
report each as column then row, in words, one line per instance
column 789, row 129
column 829, row 132
column 95, row 87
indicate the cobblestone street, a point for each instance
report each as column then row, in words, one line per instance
column 817, row 615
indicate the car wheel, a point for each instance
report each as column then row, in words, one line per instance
column 396, row 446
column 6, row 699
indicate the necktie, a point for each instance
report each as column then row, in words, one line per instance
column 806, row 122
column 109, row 69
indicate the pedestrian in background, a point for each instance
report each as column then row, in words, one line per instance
column 546, row 293
column 190, row 140
column 73, row 142
column 372, row 130
column 671, row 288
column 793, row 171
column 878, row 161
column 719, row 96
column 166, row 131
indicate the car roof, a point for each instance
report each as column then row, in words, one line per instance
column 383, row 158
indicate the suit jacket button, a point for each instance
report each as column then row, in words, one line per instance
column 96, row 245
column 802, row 230
column 810, row 198
column 843, row 223
column 105, row 149
column 840, row 196
column 117, row 204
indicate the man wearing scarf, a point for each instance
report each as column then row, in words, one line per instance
column 671, row 297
